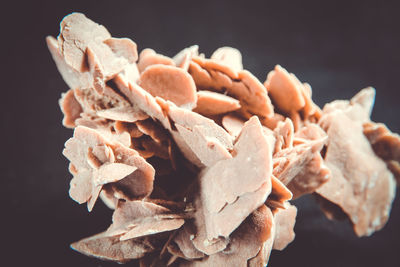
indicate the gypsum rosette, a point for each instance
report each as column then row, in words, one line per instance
column 199, row 159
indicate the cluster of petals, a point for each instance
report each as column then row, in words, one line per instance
column 199, row 159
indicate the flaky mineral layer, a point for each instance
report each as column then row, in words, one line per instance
column 199, row 159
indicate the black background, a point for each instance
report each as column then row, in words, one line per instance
column 338, row 47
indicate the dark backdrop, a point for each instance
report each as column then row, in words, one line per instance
column 338, row 47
